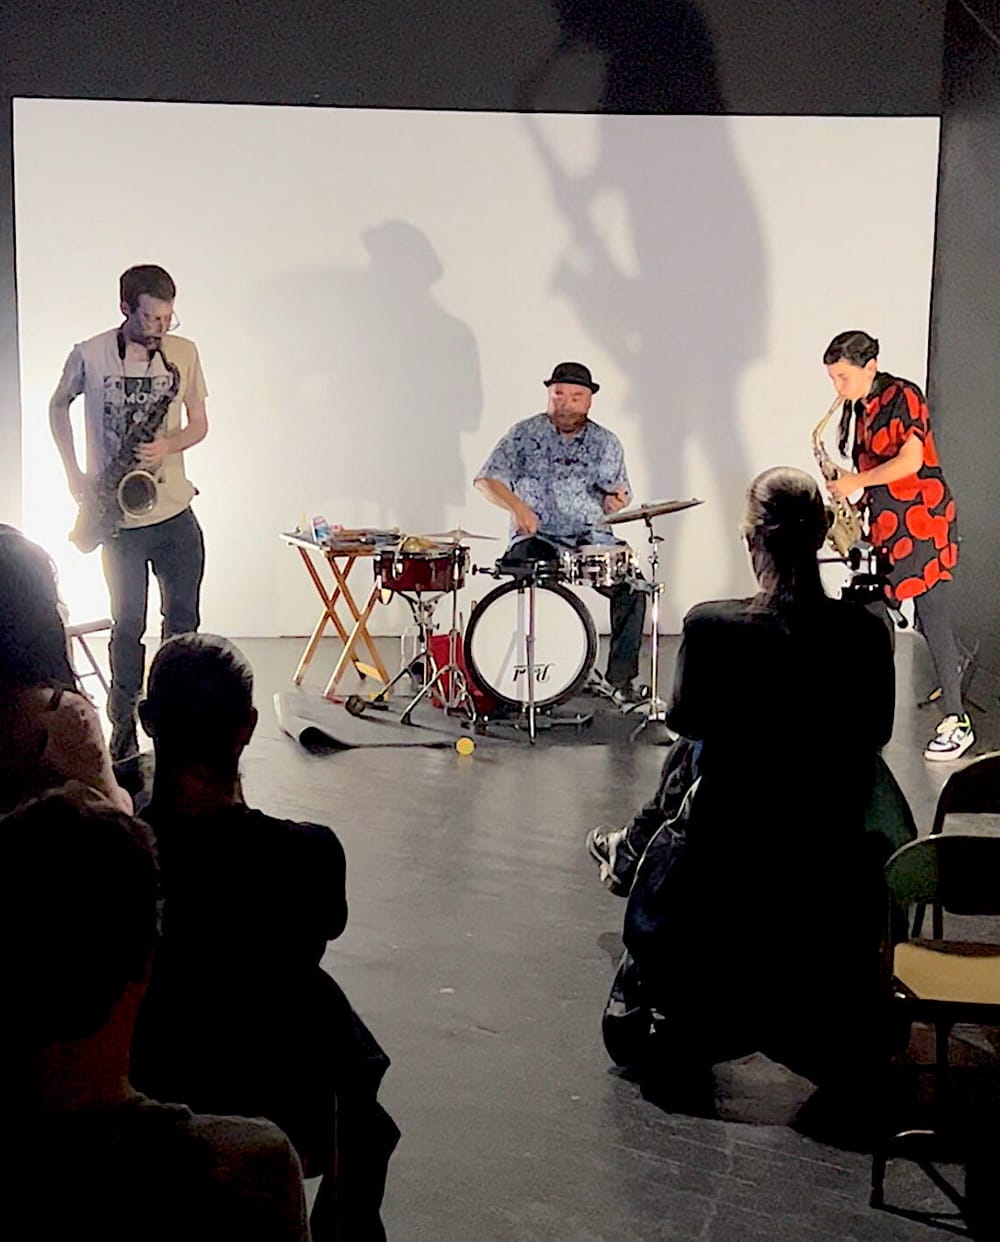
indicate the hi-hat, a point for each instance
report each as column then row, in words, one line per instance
column 655, row 509
column 457, row 534
column 418, row 543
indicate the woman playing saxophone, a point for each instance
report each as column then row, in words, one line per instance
column 910, row 509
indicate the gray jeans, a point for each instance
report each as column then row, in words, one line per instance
column 175, row 551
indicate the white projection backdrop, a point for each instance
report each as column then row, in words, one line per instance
column 378, row 295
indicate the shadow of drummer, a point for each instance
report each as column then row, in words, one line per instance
column 376, row 368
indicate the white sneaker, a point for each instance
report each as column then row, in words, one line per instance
column 953, row 738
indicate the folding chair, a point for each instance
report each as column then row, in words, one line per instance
column 78, row 635
column 972, row 790
column 941, row 981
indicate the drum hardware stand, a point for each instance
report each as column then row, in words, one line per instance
column 526, row 581
column 423, row 613
column 526, row 576
column 654, row 709
column 535, row 719
column 529, row 655
column 544, row 722
column 457, row 695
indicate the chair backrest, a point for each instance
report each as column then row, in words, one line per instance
column 972, row 790
column 958, row 871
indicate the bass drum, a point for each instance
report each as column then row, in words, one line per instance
column 565, row 644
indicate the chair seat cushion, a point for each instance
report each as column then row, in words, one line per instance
column 951, row 971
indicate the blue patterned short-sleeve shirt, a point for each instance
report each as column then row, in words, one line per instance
column 564, row 479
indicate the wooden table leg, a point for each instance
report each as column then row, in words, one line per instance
column 329, row 614
column 360, row 630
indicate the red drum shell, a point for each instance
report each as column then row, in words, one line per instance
column 424, row 572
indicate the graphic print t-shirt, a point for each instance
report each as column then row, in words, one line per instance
column 121, row 393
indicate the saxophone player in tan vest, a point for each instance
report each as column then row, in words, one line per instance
column 144, row 395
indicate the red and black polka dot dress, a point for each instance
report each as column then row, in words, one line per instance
column 913, row 519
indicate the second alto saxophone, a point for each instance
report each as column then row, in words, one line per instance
column 847, row 529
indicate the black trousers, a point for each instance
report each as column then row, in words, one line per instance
column 175, row 551
column 628, row 611
column 933, row 612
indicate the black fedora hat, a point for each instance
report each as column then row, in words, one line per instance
column 572, row 373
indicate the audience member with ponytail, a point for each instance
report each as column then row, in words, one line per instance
column 736, row 872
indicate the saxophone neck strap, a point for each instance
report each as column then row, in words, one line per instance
column 150, row 353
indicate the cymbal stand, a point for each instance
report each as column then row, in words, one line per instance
column 654, row 709
column 457, row 693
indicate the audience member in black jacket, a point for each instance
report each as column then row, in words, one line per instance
column 240, row 1011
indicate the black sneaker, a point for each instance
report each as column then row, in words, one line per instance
column 609, row 847
column 124, row 742
column 630, row 695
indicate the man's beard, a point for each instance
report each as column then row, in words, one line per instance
column 568, row 422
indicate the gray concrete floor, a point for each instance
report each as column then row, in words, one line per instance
column 480, row 949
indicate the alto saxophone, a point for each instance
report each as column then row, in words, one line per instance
column 847, row 528
column 123, row 488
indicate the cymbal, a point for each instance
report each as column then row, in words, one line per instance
column 458, row 534
column 655, row 509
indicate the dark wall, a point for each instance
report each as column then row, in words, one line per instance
column 769, row 56
column 799, row 56
column 965, row 318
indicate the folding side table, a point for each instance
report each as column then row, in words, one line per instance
column 340, row 557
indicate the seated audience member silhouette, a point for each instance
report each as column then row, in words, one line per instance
column 49, row 730
column 240, row 1016
column 92, row 1158
column 758, row 895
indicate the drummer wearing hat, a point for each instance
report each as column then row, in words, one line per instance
column 558, row 474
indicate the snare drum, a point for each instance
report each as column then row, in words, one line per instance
column 495, row 648
column 435, row 569
column 598, row 564
column 534, row 557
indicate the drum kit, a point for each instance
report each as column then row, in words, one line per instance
column 530, row 643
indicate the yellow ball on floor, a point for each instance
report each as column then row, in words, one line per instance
column 465, row 745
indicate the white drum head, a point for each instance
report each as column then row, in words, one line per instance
column 496, row 651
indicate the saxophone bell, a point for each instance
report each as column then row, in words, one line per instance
column 99, row 515
column 137, row 493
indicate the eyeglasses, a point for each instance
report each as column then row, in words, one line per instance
column 154, row 321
